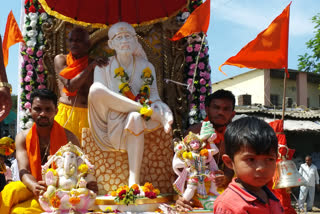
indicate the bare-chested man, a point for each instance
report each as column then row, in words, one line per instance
column 75, row 76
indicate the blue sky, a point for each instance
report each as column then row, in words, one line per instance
column 233, row 24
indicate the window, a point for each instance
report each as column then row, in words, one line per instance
column 274, row 98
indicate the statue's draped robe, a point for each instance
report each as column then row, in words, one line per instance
column 113, row 116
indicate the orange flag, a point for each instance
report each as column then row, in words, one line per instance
column 12, row 36
column 198, row 21
column 269, row 49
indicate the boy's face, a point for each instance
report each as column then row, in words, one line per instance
column 253, row 170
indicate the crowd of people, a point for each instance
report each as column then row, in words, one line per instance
column 247, row 147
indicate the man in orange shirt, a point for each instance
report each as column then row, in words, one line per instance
column 33, row 147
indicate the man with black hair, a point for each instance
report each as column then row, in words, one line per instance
column 219, row 107
column 33, row 146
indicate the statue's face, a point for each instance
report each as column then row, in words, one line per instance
column 124, row 42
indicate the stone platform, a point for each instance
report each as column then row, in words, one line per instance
column 112, row 169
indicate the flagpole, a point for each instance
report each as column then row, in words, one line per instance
column 197, row 61
column 284, row 95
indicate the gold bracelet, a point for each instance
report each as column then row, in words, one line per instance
column 6, row 84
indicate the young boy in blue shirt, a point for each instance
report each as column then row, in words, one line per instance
column 251, row 149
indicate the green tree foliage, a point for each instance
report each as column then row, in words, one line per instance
column 311, row 62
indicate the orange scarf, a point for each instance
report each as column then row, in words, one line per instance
column 74, row 67
column 58, row 138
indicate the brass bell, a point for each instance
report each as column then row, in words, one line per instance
column 287, row 175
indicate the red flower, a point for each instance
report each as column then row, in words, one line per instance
column 26, row 2
column 26, row 11
column 150, row 195
column 32, row 9
column 122, row 193
column 136, row 192
column 41, row 10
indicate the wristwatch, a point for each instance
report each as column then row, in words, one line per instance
column 5, row 84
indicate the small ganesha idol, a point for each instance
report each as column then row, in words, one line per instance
column 194, row 164
column 66, row 185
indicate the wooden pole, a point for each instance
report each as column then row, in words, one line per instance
column 284, row 95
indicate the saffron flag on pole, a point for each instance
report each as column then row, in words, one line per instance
column 12, row 36
column 198, row 21
column 269, row 49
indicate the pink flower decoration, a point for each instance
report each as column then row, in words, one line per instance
column 203, row 81
column 25, row 57
column 29, row 51
column 207, row 76
column 191, row 72
column 202, row 106
column 39, row 53
column 205, row 50
column 41, row 76
column 28, row 87
column 202, row 74
column 202, row 98
column 192, row 66
column 40, row 80
column 27, row 79
column 197, row 47
column 28, row 96
column 189, row 49
column 41, row 86
column 40, row 62
column 203, row 90
column 29, row 67
column 32, row 60
column 29, row 73
column 192, row 105
column 23, row 48
column 201, row 65
column 201, row 55
column 192, row 89
column 189, row 59
column 40, row 68
column 27, row 105
column 190, row 80
column 23, row 63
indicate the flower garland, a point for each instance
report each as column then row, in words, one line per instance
column 126, row 195
column 201, row 81
column 144, row 92
column 33, row 75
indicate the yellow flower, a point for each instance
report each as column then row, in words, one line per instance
column 108, row 209
column 83, row 168
column 147, row 72
column 145, row 88
column 204, row 152
column 53, row 171
column 187, row 155
column 149, row 186
column 156, row 191
column 135, row 186
column 145, row 189
column 124, row 87
column 119, row 71
column 146, row 111
column 114, row 193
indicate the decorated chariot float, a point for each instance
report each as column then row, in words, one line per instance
column 182, row 76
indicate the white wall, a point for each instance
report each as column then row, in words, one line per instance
column 251, row 83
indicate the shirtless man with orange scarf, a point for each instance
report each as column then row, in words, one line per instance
column 75, row 76
column 33, row 147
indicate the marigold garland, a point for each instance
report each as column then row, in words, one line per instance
column 144, row 93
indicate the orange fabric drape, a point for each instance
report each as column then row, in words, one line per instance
column 198, row 21
column 12, row 36
column 269, row 49
column 74, row 67
column 58, row 138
